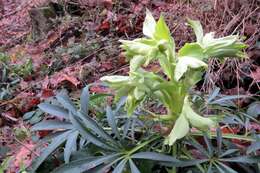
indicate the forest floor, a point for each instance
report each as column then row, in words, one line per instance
column 76, row 43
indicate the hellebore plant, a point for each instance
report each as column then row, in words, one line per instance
column 181, row 71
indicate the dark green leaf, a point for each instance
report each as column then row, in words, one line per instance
column 77, row 122
column 219, row 140
column 228, row 98
column 133, row 167
column 87, row 164
column 120, row 167
column 66, row 102
column 198, row 146
column 51, row 125
column 243, row 159
column 154, row 156
column 71, row 145
column 226, row 168
column 213, row 95
column 120, row 103
column 209, row 144
column 253, row 147
column 186, row 163
column 54, row 110
column 112, row 121
column 228, row 152
column 93, row 125
column 56, row 142
column 254, row 109
column 28, row 115
column 84, row 100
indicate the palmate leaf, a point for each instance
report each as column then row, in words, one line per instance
column 198, row 146
column 84, row 131
column 120, row 167
column 55, row 143
column 225, row 168
column 93, row 125
column 85, row 164
column 133, row 167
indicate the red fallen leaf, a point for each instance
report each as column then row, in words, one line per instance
column 105, row 66
column 229, row 130
column 71, row 79
column 56, row 79
column 43, row 133
column 122, row 59
column 28, row 103
column 162, row 129
column 238, row 142
column 99, row 89
column 47, row 93
column 105, row 25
